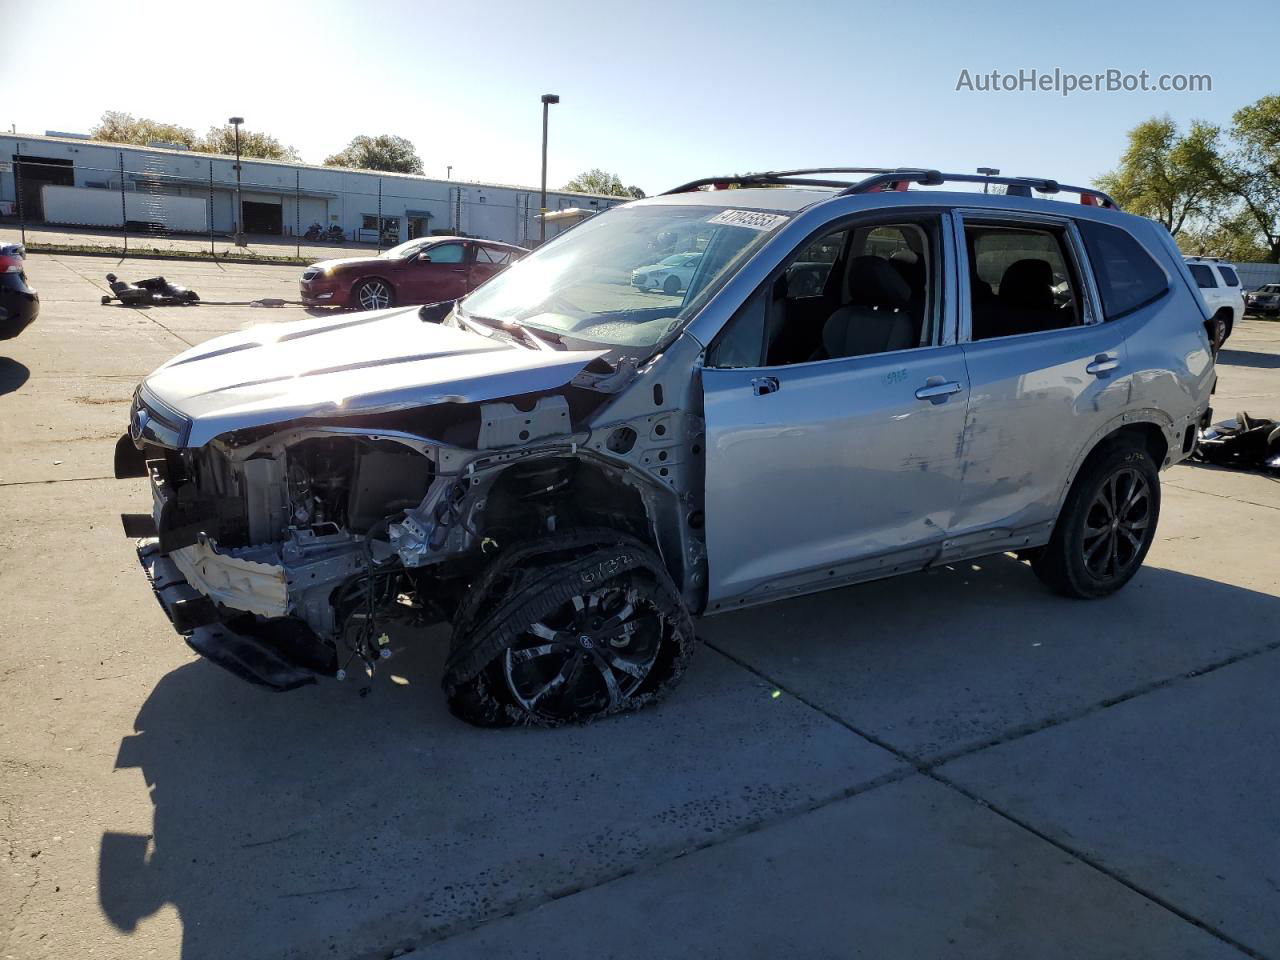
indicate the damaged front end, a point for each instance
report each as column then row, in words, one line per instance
column 291, row 551
column 273, row 556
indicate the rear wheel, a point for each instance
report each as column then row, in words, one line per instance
column 574, row 634
column 1106, row 526
column 374, row 294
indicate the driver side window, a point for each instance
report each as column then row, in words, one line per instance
column 850, row 292
column 445, row 253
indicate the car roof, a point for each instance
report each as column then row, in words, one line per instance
column 787, row 199
column 796, row 199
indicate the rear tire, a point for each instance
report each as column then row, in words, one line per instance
column 1106, row 526
column 567, row 630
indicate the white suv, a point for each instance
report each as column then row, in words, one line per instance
column 1220, row 287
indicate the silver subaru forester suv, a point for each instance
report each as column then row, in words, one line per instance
column 860, row 378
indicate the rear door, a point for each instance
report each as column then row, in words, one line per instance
column 1046, row 372
column 439, row 272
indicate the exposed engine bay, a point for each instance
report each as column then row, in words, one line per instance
column 316, row 539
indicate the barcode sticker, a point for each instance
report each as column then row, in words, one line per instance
column 751, row 219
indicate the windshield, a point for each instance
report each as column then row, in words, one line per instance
column 591, row 283
column 403, row 250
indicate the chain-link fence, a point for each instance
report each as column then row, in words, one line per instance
column 130, row 199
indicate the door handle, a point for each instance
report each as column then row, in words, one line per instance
column 936, row 390
column 1102, row 363
column 762, row 385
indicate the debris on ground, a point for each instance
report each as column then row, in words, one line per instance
column 153, row 292
column 1245, row 443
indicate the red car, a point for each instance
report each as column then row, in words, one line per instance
column 426, row 270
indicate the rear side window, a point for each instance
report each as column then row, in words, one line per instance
column 1205, row 279
column 492, row 255
column 1229, row 275
column 1128, row 278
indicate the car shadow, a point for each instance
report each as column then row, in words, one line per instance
column 277, row 816
column 12, row 375
column 1250, row 358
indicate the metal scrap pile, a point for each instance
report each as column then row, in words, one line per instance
column 1245, row 443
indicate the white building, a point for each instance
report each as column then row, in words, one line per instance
column 67, row 180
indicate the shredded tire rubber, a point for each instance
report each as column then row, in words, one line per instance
column 530, row 581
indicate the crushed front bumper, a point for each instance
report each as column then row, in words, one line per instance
column 257, row 651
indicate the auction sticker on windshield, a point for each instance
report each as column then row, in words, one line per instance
column 751, row 219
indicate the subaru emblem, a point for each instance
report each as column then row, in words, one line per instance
column 139, row 423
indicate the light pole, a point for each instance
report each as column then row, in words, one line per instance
column 988, row 172
column 235, row 122
column 547, row 100
column 448, row 172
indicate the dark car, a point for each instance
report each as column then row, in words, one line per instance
column 19, row 304
column 426, row 270
column 1264, row 300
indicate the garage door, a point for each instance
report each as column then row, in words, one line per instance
column 263, row 213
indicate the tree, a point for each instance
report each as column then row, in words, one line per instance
column 602, row 182
column 252, row 144
column 1250, row 174
column 1234, row 237
column 385, row 152
column 118, row 127
column 1169, row 176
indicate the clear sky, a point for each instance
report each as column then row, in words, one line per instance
column 658, row 92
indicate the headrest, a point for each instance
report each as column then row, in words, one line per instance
column 1027, row 283
column 873, row 282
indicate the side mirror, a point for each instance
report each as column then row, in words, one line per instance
column 435, row 312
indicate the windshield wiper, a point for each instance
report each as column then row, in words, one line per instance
column 487, row 326
column 528, row 334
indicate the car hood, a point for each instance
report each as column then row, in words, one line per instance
column 358, row 363
column 339, row 263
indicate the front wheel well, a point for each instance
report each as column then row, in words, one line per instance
column 557, row 493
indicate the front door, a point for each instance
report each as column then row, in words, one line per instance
column 836, row 459
column 438, row 272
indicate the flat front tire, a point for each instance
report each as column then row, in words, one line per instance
column 1106, row 526
column 574, row 632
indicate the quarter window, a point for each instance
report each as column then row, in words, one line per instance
column 1020, row 281
column 1204, row 277
column 1128, row 278
column 1229, row 275
column 492, row 255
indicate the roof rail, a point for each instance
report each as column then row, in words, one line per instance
column 884, row 178
column 789, row 178
column 1022, row 185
